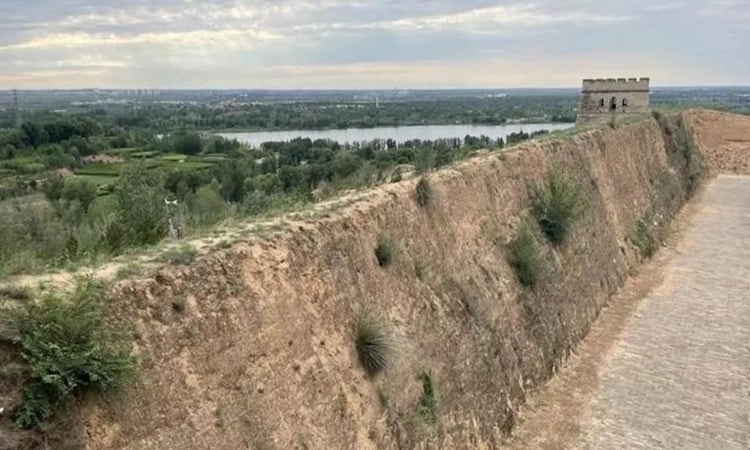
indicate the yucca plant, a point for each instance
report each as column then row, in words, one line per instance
column 557, row 204
column 373, row 342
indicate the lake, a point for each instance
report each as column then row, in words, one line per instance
column 399, row 134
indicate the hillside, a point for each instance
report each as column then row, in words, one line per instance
column 252, row 347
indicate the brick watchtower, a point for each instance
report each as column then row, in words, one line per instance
column 602, row 98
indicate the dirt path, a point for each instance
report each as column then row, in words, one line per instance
column 671, row 370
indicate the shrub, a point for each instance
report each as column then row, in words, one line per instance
column 423, row 192
column 557, row 204
column 140, row 199
column 525, row 257
column 688, row 157
column 187, row 144
column 424, row 160
column 373, row 342
column 384, row 250
column 182, row 255
column 420, row 268
column 53, row 187
column 206, row 205
column 16, row 292
column 84, row 191
column 70, row 347
column 428, row 403
column 643, row 236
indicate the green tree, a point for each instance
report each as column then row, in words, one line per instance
column 206, row 204
column 140, row 197
column 79, row 189
column 53, row 187
column 345, row 164
column 187, row 144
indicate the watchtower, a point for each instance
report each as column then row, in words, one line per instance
column 602, row 98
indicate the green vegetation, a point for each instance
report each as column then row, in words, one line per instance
column 178, row 305
column 373, row 342
column 557, row 204
column 643, row 235
column 16, row 292
column 129, row 270
column 182, row 255
column 295, row 110
column 70, row 346
column 420, row 268
column 105, row 185
column 385, row 250
column 423, row 192
column 526, row 257
column 683, row 152
column 427, row 408
column 688, row 157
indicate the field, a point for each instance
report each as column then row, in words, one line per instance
column 27, row 169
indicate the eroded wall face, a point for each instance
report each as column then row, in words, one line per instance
column 262, row 354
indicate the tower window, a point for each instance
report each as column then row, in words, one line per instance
column 613, row 104
column 624, row 102
column 601, row 103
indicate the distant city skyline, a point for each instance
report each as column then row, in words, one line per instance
column 358, row 44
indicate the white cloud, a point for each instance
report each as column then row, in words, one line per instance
column 229, row 38
column 364, row 43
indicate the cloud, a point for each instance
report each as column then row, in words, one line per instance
column 245, row 43
column 230, row 38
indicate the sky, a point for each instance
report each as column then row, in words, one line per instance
column 370, row 44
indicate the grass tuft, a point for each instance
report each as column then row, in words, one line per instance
column 643, row 236
column 420, row 268
column 525, row 257
column 16, row 292
column 180, row 256
column 557, row 204
column 423, row 192
column 373, row 342
column 385, row 250
column 427, row 408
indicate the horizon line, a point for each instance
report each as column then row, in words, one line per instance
column 353, row 89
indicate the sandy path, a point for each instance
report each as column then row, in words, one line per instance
column 671, row 370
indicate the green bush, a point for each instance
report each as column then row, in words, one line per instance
column 70, row 346
column 16, row 292
column 187, row 144
column 557, row 204
column 420, row 268
column 140, row 206
column 643, row 236
column 423, row 192
column 424, row 160
column 427, row 408
column 525, row 257
column 384, row 250
column 182, row 255
column 206, row 205
column 688, row 158
column 373, row 342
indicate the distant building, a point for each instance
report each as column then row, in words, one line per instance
column 602, row 98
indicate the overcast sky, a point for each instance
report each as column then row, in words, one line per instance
column 370, row 43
